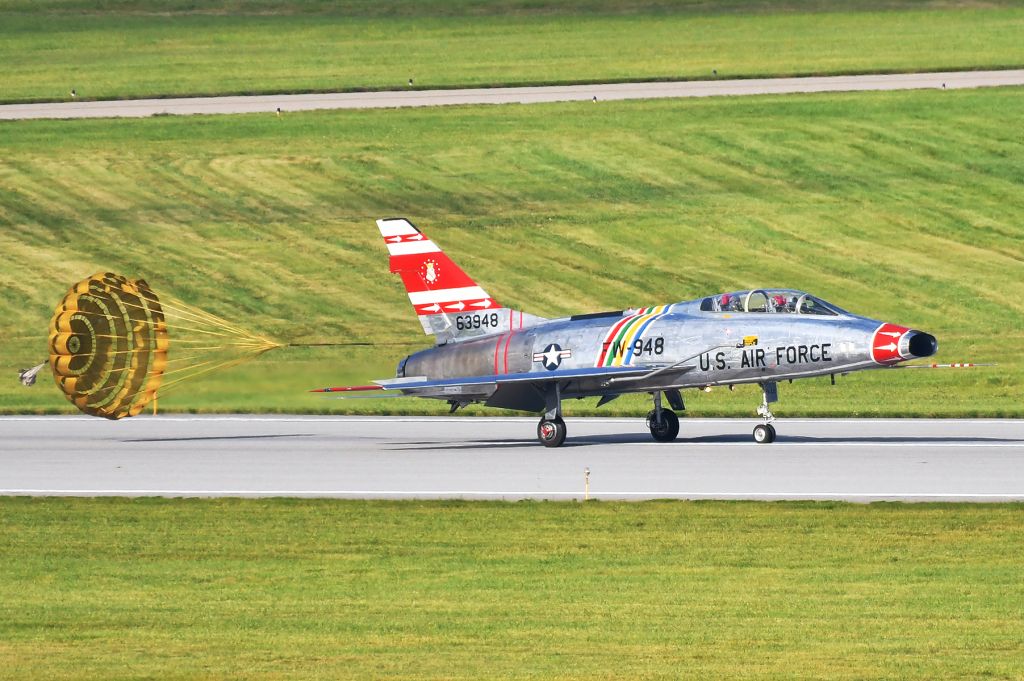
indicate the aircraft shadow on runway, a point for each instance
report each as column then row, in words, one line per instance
column 900, row 439
column 441, row 445
column 219, row 437
column 734, row 438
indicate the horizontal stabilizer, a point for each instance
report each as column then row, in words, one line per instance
column 347, row 389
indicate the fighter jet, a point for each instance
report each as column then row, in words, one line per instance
column 490, row 354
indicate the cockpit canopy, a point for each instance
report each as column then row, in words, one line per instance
column 772, row 300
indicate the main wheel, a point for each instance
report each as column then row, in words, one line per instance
column 668, row 429
column 551, row 432
column 764, row 434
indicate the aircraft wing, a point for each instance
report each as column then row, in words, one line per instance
column 528, row 377
column 419, row 385
column 524, row 391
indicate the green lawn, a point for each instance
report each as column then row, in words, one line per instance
column 135, row 49
column 318, row 589
column 903, row 206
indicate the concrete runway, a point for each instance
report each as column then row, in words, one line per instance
column 520, row 95
column 499, row 458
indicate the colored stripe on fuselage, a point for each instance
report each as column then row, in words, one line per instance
column 638, row 332
column 617, row 347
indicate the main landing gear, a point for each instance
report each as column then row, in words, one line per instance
column 551, row 432
column 551, row 429
column 663, row 423
column 765, row 433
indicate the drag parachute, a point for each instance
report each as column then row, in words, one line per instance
column 110, row 338
column 108, row 345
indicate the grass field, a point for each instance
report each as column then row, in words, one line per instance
column 274, row 589
column 134, row 49
column 904, row 206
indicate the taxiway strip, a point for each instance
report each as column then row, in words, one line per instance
column 498, row 458
column 511, row 95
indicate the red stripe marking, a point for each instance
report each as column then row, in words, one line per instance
column 508, row 342
column 427, row 307
column 505, row 338
column 610, row 336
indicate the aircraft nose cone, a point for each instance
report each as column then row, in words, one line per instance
column 921, row 344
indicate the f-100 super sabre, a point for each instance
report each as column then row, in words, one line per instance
column 490, row 354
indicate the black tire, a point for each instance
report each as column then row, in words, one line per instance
column 764, row 434
column 551, row 433
column 668, row 430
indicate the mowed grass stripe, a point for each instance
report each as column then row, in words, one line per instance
column 328, row 589
column 117, row 50
column 895, row 205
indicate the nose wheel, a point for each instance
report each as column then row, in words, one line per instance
column 551, row 432
column 764, row 434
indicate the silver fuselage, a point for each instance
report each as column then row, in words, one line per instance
column 701, row 347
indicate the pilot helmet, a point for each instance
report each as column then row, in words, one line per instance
column 779, row 300
column 726, row 298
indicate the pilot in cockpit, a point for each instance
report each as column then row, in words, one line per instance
column 728, row 303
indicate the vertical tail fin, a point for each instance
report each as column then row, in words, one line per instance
column 448, row 302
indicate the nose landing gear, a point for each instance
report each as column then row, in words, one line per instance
column 765, row 432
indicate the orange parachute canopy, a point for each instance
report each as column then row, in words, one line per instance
column 108, row 345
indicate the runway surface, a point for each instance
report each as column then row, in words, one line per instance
column 499, row 458
column 520, row 95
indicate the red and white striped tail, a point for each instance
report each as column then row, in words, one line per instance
column 449, row 304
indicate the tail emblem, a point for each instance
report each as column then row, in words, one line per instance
column 431, row 272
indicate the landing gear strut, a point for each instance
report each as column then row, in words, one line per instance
column 663, row 423
column 765, row 432
column 551, row 429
